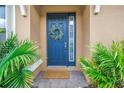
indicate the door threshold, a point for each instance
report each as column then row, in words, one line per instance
column 62, row 66
column 57, row 66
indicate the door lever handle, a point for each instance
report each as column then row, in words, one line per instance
column 65, row 44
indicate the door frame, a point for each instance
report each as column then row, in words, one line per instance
column 69, row 63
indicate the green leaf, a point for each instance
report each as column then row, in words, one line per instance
column 106, row 67
column 14, row 58
column 18, row 79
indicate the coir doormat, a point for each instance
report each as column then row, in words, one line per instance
column 56, row 74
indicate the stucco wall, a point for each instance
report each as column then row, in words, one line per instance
column 28, row 27
column 108, row 25
column 35, row 24
column 86, row 31
column 35, row 33
column 23, row 24
column 79, row 29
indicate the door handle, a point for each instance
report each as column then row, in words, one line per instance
column 65, row 45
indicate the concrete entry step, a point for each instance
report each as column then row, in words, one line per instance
column 76, row 80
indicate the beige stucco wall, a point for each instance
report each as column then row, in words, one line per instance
column 86, row 31
column 35, row 26
column 35, row 32
column 23, row 24
column 28, row 27
column 108, row 25
column 79, row 29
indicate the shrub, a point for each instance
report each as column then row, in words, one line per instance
column 106, row 67
column 15, row 56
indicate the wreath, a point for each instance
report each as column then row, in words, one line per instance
column 56, row 34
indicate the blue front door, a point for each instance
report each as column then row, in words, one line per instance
column 58, row 39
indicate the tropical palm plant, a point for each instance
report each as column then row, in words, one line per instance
column 106, row 68
column 2, row 30
column 15, row 56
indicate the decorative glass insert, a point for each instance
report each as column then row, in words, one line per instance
column 2, row 23
column 71, row 39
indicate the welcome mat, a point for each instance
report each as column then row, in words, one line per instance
column 56, row 74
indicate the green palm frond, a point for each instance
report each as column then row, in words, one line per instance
column 85, row 63
column 23, row 54
column 18, row 79
column 2, row 30
column 94, row 73
column 101, row 53
column 106, row 68
column 14, row 57
column 9, row 44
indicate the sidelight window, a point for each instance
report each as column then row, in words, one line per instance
column 71, row 39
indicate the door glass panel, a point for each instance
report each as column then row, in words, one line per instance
column 2, row 23
column 71, row 39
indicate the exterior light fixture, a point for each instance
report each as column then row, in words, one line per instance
column 97, row 9
column 23, row 10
